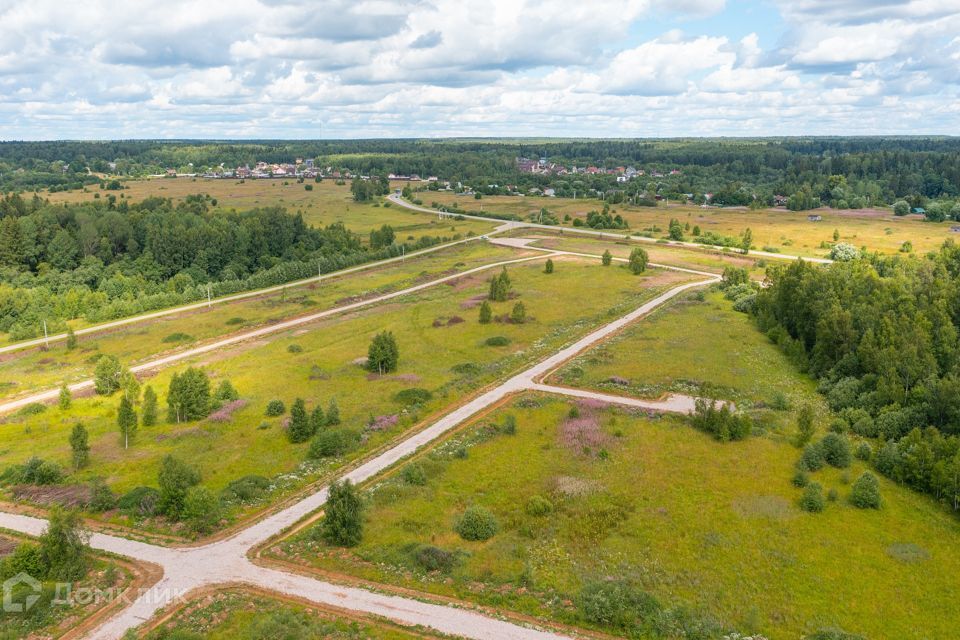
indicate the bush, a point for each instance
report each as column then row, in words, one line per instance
column 294, row 348
column 866, row 492
column 414, row 395
column 497, row 341
column 245, row 489
column 201, row 510
column 342, row 523
column 332, row 443
column 617, row 604
column 800, row 479
column 509, row 425
column 275, row 408
column 176, row 478
column 538, row 506
column 836, row 450
column 812, row 458
column 141, row 501
column 33, row 471
column 812, row 499
column 178, row 337
column 101, row 497
column 63, row 546
column 864, row 451
column 432, row 558
column 476, row 524
column 414, row 474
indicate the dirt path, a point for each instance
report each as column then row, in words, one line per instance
column 226, row 561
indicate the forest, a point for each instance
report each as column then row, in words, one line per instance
column 106, row 260
column 881, row 336
column 809, row 171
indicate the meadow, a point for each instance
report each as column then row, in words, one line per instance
column 443, row 351
column 326, row 203
column 35, row 369
column 778, row 230
column 706, row 537
column 244, row 615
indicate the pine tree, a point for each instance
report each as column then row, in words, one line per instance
column 343, row 515
column 333, row 413
column 500, row 286
column 607, row 258
column 519, row 314
column 126, row 420
column 486, row 313
column 299, row 428
column 317, row 420
column 80, row 446
column 65, row 397
column 149, row 409
column 548, row 267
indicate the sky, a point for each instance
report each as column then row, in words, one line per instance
column 106, row 69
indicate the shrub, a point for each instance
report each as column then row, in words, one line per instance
column 812, row 458
column 63, row 546
column 225, row 392
column 800, row 479
column 332, row 443
column 864, row 451
column 34, row 471
column 476, row 524
column 141, row 501
column 497, row 341
column 201, row 510
column 486, row 313
column 836, row 450
column 342, row 523
column 294, row 348
column 812, row 499
column 101, row 497
column 175, row 477
column 638, row 261
column 414, row 395
column 275, row 408
column 866, row 492
column 178, row 337
column 509, row 425
column 519, row 313
column 617, row 604
column 245, row 489
column 844, row 252
column 538, row 506
column 832, row 495
column 433, row 558
column 414, row 474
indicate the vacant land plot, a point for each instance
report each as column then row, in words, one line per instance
column 31, row 370
column 694, row 535
column 701, row 348
column 326, row 203
column 777, row 229
column 242, row 615
column 445, row 354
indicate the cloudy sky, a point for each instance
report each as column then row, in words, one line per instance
column 336, row 68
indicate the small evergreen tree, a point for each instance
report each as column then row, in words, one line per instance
column 71, row 339
column 343, row 515
column 866, row 492
column 79, row 446
column 175, row 478
column 383, row 354
column 64, row 549
column 333, row 413
column 201, row 509
column 638, row 261
column 486, row 313
column 126, row 420
column 548, row 267
column 149, row 409
column 500, row 286
column 519, row 313
column 607, row 258
column 812, row 499
column 299, row 428
column 65, row 398
column 804, row 425
column 317, row 420
column 225, row 392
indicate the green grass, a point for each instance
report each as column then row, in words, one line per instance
column 562, row 306
column 788, row 231
column 35, row 369
column 713, row 528
column 238, row 615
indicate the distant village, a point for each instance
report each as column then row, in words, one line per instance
column 300, row 168
column 543, row 167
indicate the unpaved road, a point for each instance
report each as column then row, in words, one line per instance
column 226, row 561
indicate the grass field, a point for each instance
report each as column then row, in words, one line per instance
column 675, row 256
column 701, row 348
column 561, row 306
column 325, row 204
column 786, row 231
column 712, row 530
column 242, row 615
column 31, row 370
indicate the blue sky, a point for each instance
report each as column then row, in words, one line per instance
column 376, row 68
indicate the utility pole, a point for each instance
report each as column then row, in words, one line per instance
column 46, row 338
column 209, row 296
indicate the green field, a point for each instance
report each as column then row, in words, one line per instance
column 240, row 615
column 35, row 369
column 561, row 306
column 712, row 530
column 325, row 204
column 785, row 231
